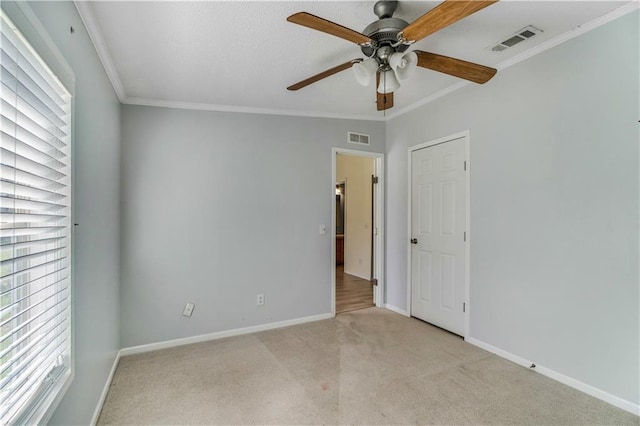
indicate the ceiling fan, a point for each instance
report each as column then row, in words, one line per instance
column 385, row 42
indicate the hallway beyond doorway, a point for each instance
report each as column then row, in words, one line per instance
column 352, row 292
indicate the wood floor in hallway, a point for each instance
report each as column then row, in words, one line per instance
column 352, row 292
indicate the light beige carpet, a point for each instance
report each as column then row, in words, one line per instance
column 363, row 367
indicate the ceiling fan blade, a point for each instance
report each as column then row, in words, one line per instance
column 323, row 74
column 311, row 21
column 383, row 100
column 455, row 67
column 441, row 16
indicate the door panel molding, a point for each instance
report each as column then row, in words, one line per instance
column 467, row 140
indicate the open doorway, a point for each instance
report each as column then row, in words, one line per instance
column 357, row 265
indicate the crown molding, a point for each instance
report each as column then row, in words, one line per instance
column 245, row 110
column 93, row 29
column 575, row 32
column 428, row 99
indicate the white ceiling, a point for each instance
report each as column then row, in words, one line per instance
column 238, row 55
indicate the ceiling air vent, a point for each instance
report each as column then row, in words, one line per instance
column 520, row 36
column 357, row 138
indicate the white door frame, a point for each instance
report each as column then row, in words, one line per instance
column 467, row 284
column 378, row 241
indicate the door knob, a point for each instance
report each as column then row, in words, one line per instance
column 414, row 241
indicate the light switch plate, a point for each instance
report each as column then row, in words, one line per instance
column 188, row 309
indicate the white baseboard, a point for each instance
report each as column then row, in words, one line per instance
column 220, row 335
column 569, row 381
column 396, row 310
column 501, row 353
column 105, row 391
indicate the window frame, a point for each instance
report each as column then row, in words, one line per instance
column 26, row 21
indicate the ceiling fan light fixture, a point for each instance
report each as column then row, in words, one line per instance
column 365, row 71
column 403, row 63
column 388, row 82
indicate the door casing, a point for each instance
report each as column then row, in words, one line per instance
column 378, row 242
column 467, row 139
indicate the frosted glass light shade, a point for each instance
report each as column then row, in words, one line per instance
column 365, row 71
column 388, row 82
column 403, row 64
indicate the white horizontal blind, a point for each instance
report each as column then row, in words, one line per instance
column 35, row 181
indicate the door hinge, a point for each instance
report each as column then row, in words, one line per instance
column 465, row 236
column 464, row 307
column 465, row 165
column 374, row 179
column 374, row 281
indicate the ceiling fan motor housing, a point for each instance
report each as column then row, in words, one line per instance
column 384, row 32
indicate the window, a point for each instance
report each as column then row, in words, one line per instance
column 35, row 236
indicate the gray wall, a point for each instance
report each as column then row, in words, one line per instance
column 554, row 205
column 96, row 200
column 218, row 207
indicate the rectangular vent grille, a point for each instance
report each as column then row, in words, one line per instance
column 357, row 138
column 520, row 36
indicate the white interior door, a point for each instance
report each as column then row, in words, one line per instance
column 438, row 221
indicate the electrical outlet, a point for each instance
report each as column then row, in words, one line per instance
column 260, row 299
column 188, row 309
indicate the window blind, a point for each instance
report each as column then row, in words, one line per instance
column 35, row 210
